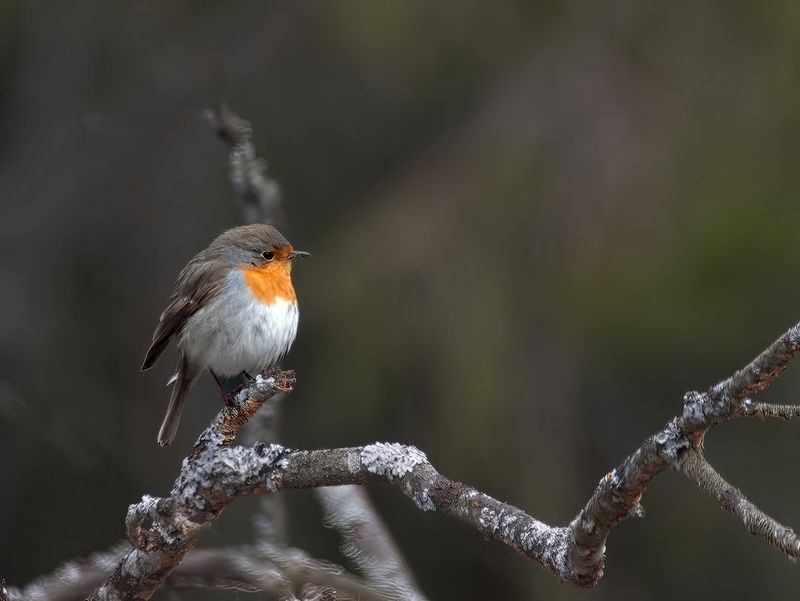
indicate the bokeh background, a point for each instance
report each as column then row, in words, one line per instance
column 535, row 225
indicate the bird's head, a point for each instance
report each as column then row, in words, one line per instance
column 264, row 255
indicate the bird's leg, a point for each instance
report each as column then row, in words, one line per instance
column 217, row 380
column 227, row 396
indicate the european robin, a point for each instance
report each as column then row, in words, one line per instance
column 233, row 311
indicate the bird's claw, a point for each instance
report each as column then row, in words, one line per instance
column 229, row 397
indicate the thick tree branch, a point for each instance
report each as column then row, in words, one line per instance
column 618, row 494
column 163, row 530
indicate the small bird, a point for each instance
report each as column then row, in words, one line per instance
column 233, row 311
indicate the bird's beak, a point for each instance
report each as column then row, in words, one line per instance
column 296, row 254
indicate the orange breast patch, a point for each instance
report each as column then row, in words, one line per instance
column 270, row 282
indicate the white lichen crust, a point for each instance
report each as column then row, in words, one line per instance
column 391, row 460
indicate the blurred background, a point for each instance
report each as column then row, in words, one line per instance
column 534, row 227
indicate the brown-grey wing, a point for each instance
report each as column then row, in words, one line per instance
column 198, row 283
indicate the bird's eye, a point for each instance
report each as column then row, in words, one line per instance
column 268, row 255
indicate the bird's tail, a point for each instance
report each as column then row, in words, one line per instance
column 184, row 378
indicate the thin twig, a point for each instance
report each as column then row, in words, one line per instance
column 72, row 581
column 241, row 569
column 765, row 410
column 271, row 519
column 730, row 498
column 367, row 542
column 261, row 202
column 300, row 568
column 260, row 195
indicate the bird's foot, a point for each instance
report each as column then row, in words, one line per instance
column 229, row 396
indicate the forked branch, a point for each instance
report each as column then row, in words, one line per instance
column 162, row 530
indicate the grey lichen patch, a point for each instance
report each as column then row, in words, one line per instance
column 793, row 335
column 422, row 499
column 694, row 407
column 671, row 442
column 272, row 458
column 211, row 439
column 662, row 438
column 489, row 519
column 260, row 385
column 353, row 462
column 671, row 432
column 719, row 391
column 550, row 545
column 145, row 506
column 224, row 473
column 150, row 523
column 270, row 453
column 391, row 460
column 526, row 534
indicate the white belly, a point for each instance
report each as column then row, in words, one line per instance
column 237, row 333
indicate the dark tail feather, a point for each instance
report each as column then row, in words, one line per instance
column 154, row 352
column 185, row 378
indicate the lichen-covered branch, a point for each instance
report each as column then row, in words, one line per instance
column 729, row 398
column 618, row 494
column 761, row 371
column 163, row 530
